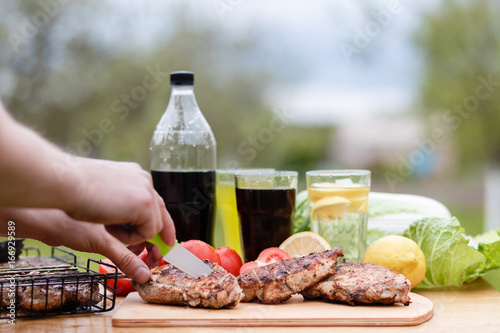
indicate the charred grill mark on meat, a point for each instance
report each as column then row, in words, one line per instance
column 362, row 284
column 85, row 294
column 169, row 285
column 56, row 295
column 277, row 282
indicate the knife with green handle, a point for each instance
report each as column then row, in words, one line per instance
column 182, row 258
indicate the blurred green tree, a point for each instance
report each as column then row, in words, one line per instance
column 460, row 81
column 76, row 73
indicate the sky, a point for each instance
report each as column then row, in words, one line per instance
column 343, row 59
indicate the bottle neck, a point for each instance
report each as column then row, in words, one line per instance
column 182, row 100
column 182, row 90
column 183, row 139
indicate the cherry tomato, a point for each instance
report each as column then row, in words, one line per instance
column 272, row 254
column 248, row 266
column 202, row 250
column 266, row 257
column 230, row 260
column 123, row 286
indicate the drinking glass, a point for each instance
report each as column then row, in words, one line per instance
column 338, row 202
column 227, row 226
column 265, row 203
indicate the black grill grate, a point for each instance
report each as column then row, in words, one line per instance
column 57, row 285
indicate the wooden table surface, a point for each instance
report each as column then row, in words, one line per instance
column 474, row 307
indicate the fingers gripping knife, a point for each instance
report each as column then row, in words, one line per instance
column 182, row 258
column 178, row 256
column 187, row 262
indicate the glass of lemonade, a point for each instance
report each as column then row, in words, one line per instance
column 227, row 225
column 338, row 202
column 265, row 202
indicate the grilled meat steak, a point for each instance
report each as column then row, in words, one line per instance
column 86, row 294
column 56, row 295
column 169, row 285
column 277, row 282
column 362, row 283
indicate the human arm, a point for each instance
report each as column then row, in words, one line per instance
column 35, row 173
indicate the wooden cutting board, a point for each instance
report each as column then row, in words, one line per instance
column 134, row 312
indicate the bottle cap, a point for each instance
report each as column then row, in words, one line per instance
column 182, row 78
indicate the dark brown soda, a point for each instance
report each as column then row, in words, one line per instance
column 266, row 218
column 189, row 197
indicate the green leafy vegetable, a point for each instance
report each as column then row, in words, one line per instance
column 491, row 252
column 487, row 237
column 451, row 257
column 450, row 260
column 301, row 214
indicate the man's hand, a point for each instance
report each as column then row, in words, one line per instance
column 121, row 196
column 54, row 227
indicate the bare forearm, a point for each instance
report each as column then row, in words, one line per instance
column 36, row 174
column 32, row 223
column 29, row 174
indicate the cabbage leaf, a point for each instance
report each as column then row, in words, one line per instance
column 450, row 260
column 301, row 213
column 491, row 252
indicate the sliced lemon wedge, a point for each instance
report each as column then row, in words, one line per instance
column 304, row 243
column 330, row 208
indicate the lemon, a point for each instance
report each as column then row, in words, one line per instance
column 330, row 208
column 399, row 254
column 303, row 243
column 357, row 196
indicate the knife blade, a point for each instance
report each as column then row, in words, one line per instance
column 187, row 262
column 177, row 256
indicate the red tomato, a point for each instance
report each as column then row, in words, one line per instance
column 266, row 257
column 248, row 266
column 123, row 286
column 202, row 250
column 272, row 254
column 143, row 256
column 230, row 260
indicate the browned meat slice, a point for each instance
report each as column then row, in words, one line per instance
column 362, row 283
column 169, row 285
column 277, row 282
column 86, row 294
column 36, row 297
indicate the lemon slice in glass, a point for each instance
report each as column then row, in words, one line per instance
column 304, row 243
column 330, row 208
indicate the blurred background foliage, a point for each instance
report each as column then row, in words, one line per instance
column 461, row 50
column 64, row 82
